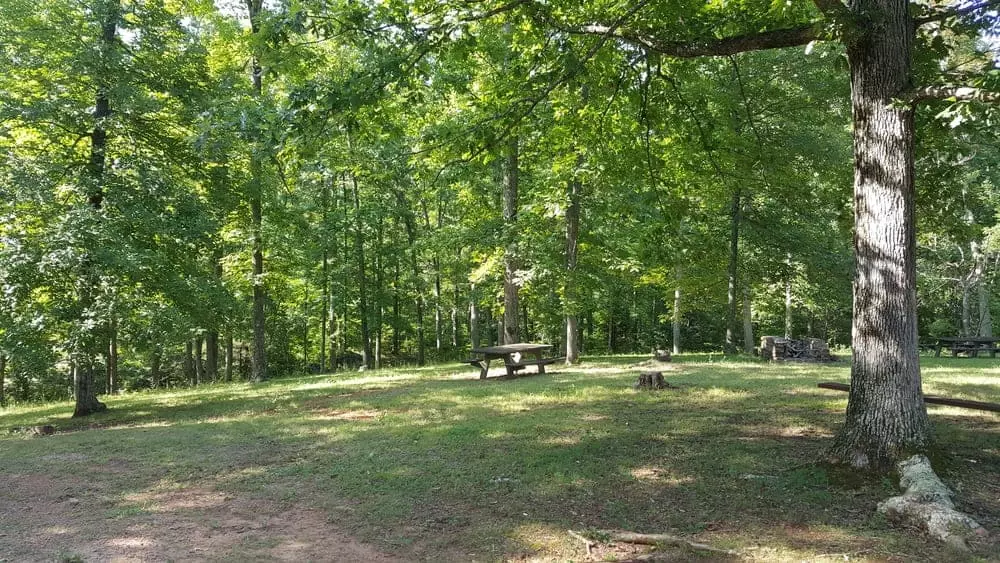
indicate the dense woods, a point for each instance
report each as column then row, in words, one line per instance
column 197, row 192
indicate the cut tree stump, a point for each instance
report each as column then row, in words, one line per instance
column 652, row 380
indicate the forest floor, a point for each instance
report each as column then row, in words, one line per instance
column 432, row 463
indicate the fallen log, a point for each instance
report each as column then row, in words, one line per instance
column 931, row 399
column 651, row 539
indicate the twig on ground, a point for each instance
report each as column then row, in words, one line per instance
column 587, row 542
column 657, row 539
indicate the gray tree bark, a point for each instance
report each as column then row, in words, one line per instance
column 3, row 375
column 734, row 254
column 259, row 323
column 748, row 346
column 511, row 302
column 886, row 414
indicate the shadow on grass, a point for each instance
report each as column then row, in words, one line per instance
column 492, row 468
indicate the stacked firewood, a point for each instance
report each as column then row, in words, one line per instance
column 778, row 348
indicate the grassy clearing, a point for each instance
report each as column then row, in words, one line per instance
column 433, row 463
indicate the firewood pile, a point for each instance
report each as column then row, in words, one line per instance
column 778, row 348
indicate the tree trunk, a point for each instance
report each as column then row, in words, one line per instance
column 676, row 324
column 886, row 415
column 112, row 365
column 395, row 308
column 379, row 280
column 199, row 365
column 259, row 359
column 155, row 361
column 966, row 309
column 359, row 250
column 748, row 344
column 212, row 356
column 983, row 289
column 3, row 374
column 229, row 357
column 84, row 391
column 574, row 194
column 788, row 308
column 411, row 236
column 188, row 365
column 455, row 338
column 511, row 305
column 473, row 318
column 734, row 254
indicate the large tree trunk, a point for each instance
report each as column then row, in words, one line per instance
column 199, row 365
column 84, row 390
column 188, row 363
column 212, row 356
column 511, row 305
column 886, row 415
column 411, row 236
column 966, row 308
column 734, row 254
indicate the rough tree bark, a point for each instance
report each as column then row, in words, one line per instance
column 199, row 364
column 748, row 344
column 886, row 415
column 734, row 254
column 259, row 358
column 983, row 290
column 155, row 361
column 359, row 253
column 84, row 391
column 511, row 304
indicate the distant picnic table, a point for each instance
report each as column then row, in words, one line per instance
column 513, row 356
column 971, row 345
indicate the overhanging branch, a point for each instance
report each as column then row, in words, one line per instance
column 954, row 93
column 955, row 12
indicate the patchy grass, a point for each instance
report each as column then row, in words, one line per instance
column 432, row 463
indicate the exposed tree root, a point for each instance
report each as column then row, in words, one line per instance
column 926, row 503
column 646, row 539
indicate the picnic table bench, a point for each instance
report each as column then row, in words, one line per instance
column 971, row 345
column 513, row 357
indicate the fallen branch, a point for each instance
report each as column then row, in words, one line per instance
column 926, row 503
column 931, row 399
column 653, row 539
column 588, row 543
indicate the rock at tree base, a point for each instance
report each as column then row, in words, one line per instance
column 926, row 504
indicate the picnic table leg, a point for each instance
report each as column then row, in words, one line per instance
column 541, row 366
column 937, row 351
column 484, row 368
column 508, row 360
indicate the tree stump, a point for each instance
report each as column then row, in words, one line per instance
column 662, row 355
column 650, row 380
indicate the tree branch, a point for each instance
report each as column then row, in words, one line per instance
column 954, row 93
column 776, row 39
column 954, row 12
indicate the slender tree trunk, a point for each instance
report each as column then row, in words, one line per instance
column 676, row 324
column 411, row 236
column 259, row 359
column 511, row 305
column 966, row 309
column 212, row 356
column 474, row 337
column 359, row 249
column 305, row 330
column 112, row 366
column 84, row 391
column 748, row 346
column 396, row 322
column 734, row 254
column 886, row 415
column 455, row 330
column 155, row 361
column 3, row 375
column 229, row 357
column 199, row 366
column 985, row 327
column 571, row 299
column 189, row 370
column 379, row 280
column 788, row 308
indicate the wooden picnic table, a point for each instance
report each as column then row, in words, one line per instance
column 971, row 345
column 513, row 357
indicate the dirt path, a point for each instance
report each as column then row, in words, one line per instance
column 42, row 519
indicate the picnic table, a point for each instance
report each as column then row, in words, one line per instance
column 971, row 345
column 513, row 356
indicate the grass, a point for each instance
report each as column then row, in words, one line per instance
column 433, row 463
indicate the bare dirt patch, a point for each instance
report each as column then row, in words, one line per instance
column 44, row 519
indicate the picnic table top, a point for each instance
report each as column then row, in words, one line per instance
column 511, row 348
